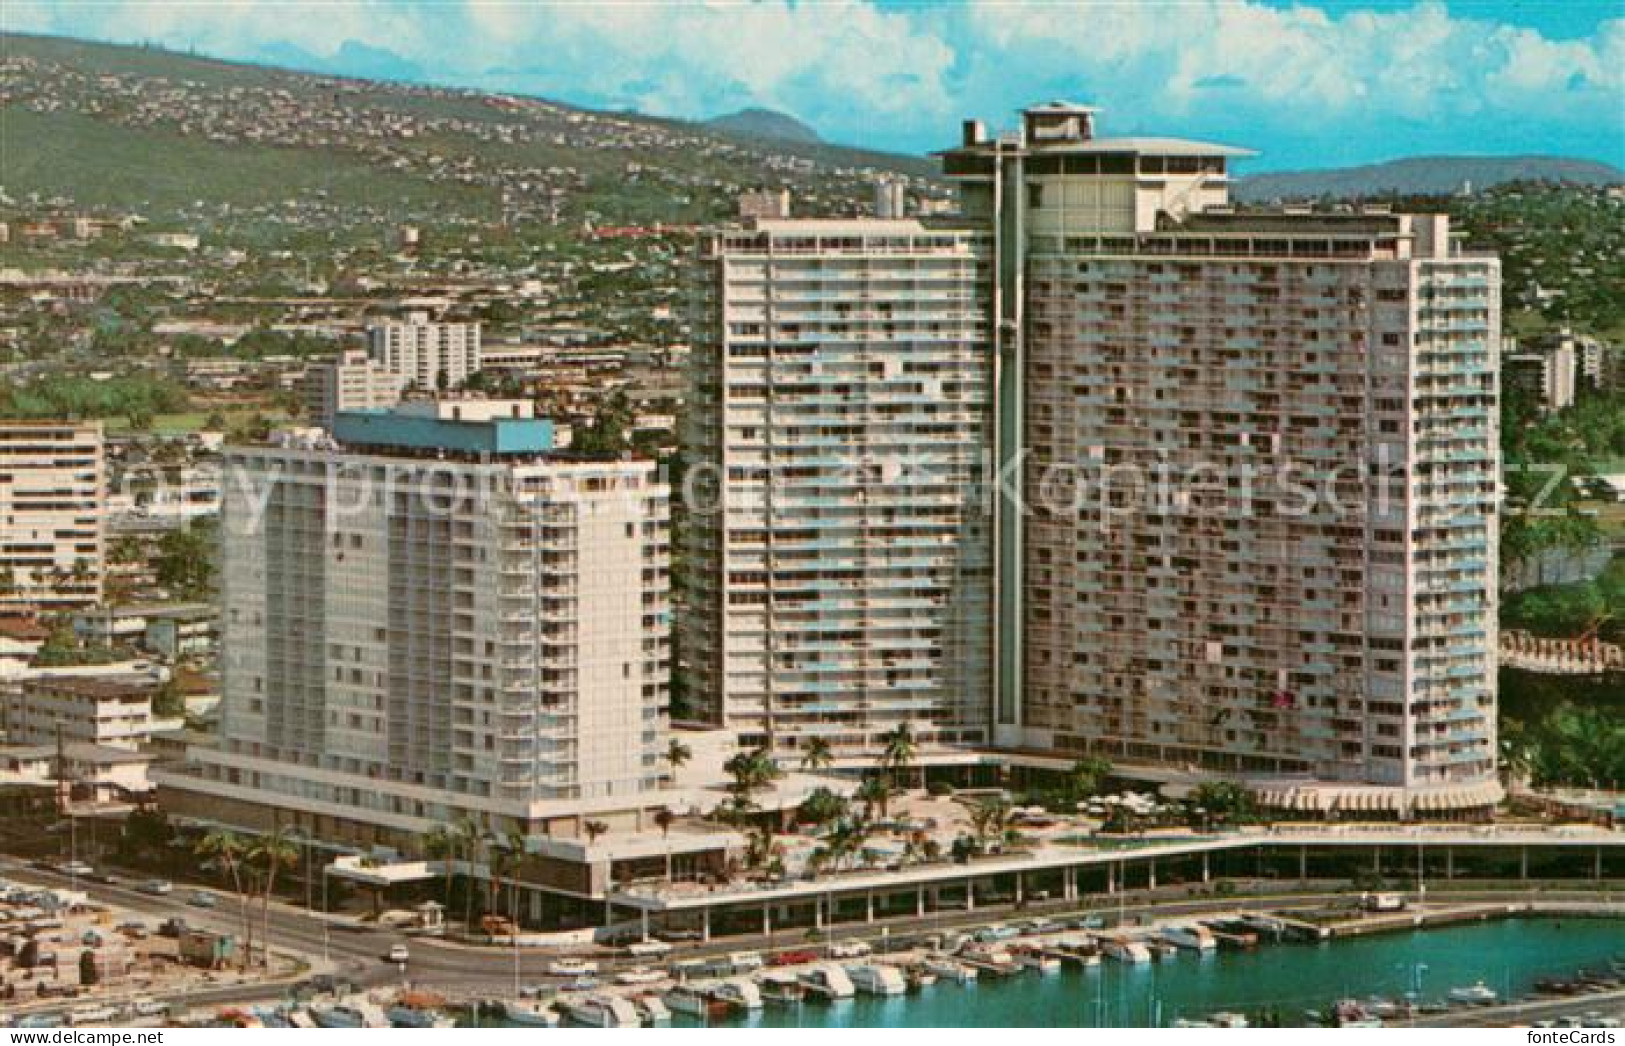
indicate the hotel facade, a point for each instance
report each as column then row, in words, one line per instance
column 1245, row 466
column 52, row 490
column 433, row 617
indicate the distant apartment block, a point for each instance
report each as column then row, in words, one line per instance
column 97, row 710
column 1335, row 653
column 1545, row 372
column 52, row 484
column 424, row 355
column 439, row 618
column 764, row 204
column 352, row 381
column 840, row 409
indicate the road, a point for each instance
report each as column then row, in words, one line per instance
column 357, row 954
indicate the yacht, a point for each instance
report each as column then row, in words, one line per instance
column 350, row 1013
column 602, row 1011
column 740, row 993
column 652, row 1010
column 1193, row 936
column 640, row 975
column 403, row 1016
column 525, row 1013
column 780, row 986
column 1125, row 950
column 1032, row 957
column 828, row 981
column 572, row 968
column 948, row 969
column 694, row 1000
column 874, row 978
column 989, row 958
column 1478, row 994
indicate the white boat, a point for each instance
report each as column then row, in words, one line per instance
column 92, row 1015
column 740, row 993
column 1229, row 1019
column 350, row 1013
column 1479, row 994
column 949, row 970
column 1036, row 959
column 780, row 986
column 602, row 1011
column 989, row 958
column 640, row 975
column 572, row 968
column 874, row 978
column 1193, row 936
column 654, row 1012
column 414, row 1017
column 689, row 999
column 1124, row 950
column 828, row 981
column 523, row 1013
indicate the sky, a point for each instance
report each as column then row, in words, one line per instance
column 1306, row 83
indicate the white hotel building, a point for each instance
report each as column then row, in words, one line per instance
column 841, row 394
column 435, row 617
column 52, row 517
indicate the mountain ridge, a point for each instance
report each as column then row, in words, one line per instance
column 1423, row 175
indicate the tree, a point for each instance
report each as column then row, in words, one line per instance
column 468, row 839
column 898, row 750
column 817, row 755
column 678, row 754
column 989, row 820
column 185, row 563
column 608, row 433
column 1086, row 776
column 664, row 819
column 875, row 794
column 227, row 849
column 822, row 807
column 1222, row 801
column 167, row 701
column 440, row 844
column 594, row 829
column 271, row 853
column 752, row 772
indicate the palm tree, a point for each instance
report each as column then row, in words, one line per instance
column 505, row 855
column 664, row 819
column 822, row 807
column 439, row 844
column 752, row 771
column 273, row 852
column 468, row 839
column 228, row 849
column 678, row 754
column 899, row 750
column 989, row 819
column 1086, row 775
column 817, row 755
column 875, row 794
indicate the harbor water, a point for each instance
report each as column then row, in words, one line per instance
column 1508, row 955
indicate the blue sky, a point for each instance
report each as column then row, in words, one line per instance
column 1307, row 84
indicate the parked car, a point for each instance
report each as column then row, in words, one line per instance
column 849, row 950
column 75, row 868
column 798, row 957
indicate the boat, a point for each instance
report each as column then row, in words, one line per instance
column 640, row 975
column 919, row 977
column 740, row 993
column 694, row 1000
column 523, row 1013
column 946, row 968
column 1477, row 994
column 827, row 981
column 989, row 958
column 1032, row 957
column 92, row 1015
column 654, row 1012
column 1229, row 1019
column 602, row 1011
column 874, row 978
column 1124, row 950
column 571, row 968
column 781, row 988
column 1194, row 936
column 1347, row 1013
column 349, row 1013
column 410, row 1017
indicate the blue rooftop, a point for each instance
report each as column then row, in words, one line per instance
column 498, row 436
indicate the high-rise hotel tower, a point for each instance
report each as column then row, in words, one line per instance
column 841, row 407
column 1247, row 464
